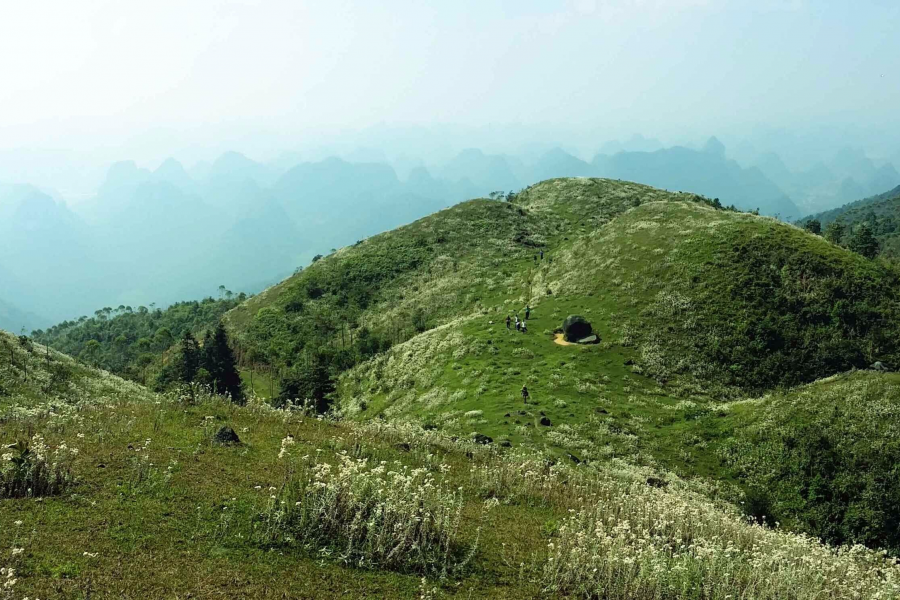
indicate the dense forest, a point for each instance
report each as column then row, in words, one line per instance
column 133, row 342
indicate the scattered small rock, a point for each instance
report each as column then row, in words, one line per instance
column 480, row 438
column 506, row 415
column 545, row 422
column 878, row 366
column 657, row 482
column 628, row 362
column 226, row 436
column 543, row 414
column 506, row 443
column 573, row 458
column 402, row 446
column 601, row 411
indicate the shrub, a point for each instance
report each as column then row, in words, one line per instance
column 33, row 470
column 823, row 459
column 369, row 515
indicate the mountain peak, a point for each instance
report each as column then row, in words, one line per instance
column 714, row 146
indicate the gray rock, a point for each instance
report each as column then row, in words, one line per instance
column 226, row 436
column 591, row 339
column 878, row 366
column 545, row 422
column 506, row 443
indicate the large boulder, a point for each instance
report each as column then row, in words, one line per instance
column 576, row 327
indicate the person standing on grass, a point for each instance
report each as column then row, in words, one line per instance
column 524, row 394
column 542, row 254
column 507, row 322
column 527, row 312
column 524, row 327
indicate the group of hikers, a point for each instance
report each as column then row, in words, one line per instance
column 541, row 255
column 521, row 324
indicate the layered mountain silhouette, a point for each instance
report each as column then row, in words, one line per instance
column 171, row 233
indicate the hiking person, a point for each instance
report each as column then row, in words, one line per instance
column 518, row 324
column 527, row 312
column 524, row 327
column 542, row 254
column 524, row 394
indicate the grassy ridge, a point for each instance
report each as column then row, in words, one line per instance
column 670, row 289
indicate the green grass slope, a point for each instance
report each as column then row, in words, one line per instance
column 693, row 305
column 825, row 458
column 154, row 508
column 726, row 298
column 39, row 380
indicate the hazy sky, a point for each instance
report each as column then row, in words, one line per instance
column 169, row 76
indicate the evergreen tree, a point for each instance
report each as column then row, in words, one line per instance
column 309, row 382
column 813, row 226
column 219, row 362
column 189, row 361
column 834, row 233
column 864, row 242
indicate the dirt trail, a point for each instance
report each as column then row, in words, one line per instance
column 560, row 338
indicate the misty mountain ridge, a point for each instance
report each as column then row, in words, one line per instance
column 166, row 234
column 848, row 176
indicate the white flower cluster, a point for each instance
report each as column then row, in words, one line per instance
column 37, row 471
column 371, row 514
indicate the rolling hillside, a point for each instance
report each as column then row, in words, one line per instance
column 697, row 309
column 701, row 297
column 111, row 491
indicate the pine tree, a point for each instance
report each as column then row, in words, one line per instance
column 834, row 233
column 309, row 382
column 814, row 226
column 864, row 242
column 189, row 361
column 218, row 360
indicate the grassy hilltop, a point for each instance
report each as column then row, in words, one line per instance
column 694, row 305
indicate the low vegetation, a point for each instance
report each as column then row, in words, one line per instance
column 311, row 507
column 824, row 458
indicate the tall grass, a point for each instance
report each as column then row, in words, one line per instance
column 385, row 515
column 30, row 470
column 629, row 535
